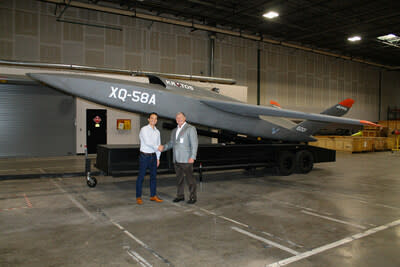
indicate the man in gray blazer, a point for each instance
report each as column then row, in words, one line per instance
column 184, row 144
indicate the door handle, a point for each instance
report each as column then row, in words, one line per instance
column 88, row 132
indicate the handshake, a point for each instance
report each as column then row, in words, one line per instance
column 160, row 148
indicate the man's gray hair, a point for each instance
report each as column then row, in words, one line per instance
column 180, row 112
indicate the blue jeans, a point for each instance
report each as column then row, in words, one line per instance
column 147, row 162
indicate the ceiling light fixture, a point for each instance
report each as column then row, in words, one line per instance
column 389, row 37
column 354, row 38
column 271, row 14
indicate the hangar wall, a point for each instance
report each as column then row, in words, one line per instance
column 30, row 129
column 390, row 91
column 296, row 79
column 114, row 136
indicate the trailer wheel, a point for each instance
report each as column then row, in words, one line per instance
column 91, row 182
column 304, row 161
column 286, row 163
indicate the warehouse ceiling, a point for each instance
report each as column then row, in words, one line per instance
column 317, row 24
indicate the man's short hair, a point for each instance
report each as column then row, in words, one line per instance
column 180, row 112
column 153, row 113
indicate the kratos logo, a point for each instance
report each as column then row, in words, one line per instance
column 180, row 85
column 341, row 107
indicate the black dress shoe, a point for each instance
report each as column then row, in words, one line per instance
column 191, row 201
column 177, row 199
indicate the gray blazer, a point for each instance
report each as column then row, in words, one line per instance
column 185, row 146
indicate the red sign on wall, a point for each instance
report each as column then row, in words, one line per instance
column 97, row 119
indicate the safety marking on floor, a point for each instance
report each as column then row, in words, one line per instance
column 360, row 199
column 314, row 211
column 379, row 205
column 79, row 205
column 28, row 205
column 140, row 242
column 297, row 206
column 139, row 259
column 333, row 219
column 243, row 225
column 209, row 212
column 239, row 223
column 269, row 242
column 283, row 240
column 334, row 244
column 16, row 208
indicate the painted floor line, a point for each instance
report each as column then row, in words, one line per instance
column 360, row 199
column 28, row 202
column 17, row 208
column 28, row 205
column 140, row 242
column 269, row 242
column 294, row 205
column 236, row 222
column 247, row 226
column 333, row 219
column 334, row 244
column 139, row 258
column 283, row 240
column 79, row 205
column 207, row 211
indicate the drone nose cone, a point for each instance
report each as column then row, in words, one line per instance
column 42, row 77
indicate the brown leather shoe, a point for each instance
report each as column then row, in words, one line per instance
column 139, row 200
column 156, row 199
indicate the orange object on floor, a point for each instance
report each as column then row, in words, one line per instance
column 139, row 201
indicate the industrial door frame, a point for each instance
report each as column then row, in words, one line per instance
column 95, row 135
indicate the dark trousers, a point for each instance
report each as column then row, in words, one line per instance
column 147, row 162
column 182, row 170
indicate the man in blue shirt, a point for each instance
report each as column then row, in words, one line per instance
column 149, row 158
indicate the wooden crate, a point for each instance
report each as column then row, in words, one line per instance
column 373, row 131
column 372, row 128
column 391, row 125
column 352, row 144
column 370, row 133
column 391, row 142
column 380, row 144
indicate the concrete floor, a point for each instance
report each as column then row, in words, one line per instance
column 14, row 168
column 345, row 213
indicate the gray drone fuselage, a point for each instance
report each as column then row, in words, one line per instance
column 167, row 97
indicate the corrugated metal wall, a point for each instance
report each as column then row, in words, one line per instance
column 35, row 121
column 297, row 79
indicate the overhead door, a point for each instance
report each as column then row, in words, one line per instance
column 35, row 121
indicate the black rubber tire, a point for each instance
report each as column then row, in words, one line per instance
column 286, row 163
column 92, row 182
column 304, row 161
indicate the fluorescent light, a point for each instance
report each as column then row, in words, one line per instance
column 271, row 14
column 354, row 38
column 388, row 37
